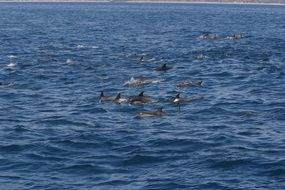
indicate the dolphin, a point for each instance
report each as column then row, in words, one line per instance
column 140, row 81
column 163, row 68
column 199, row 83
column 103, row 98
column 158, row 113
column 138, row 56
column 178, row 99
column 119, row 99
column 142, row 58
column 141, row 99
column 209, row 36
column 234, row 37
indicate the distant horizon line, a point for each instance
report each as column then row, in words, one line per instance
column 237, row 2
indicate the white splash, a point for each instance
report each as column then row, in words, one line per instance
column 12, row 65
column 69, row 61
column 12, row 56
column 80, row 46
column 134, row 82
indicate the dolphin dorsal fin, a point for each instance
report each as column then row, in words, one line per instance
column 141, row 94
column 118, row 96
column 102, row 94
column 164, row 65
column 177, row 96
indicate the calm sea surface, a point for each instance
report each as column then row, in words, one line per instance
column 56, row 58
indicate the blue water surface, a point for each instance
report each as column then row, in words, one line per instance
column 56, row 58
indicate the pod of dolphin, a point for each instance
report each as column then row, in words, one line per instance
column 142, row 99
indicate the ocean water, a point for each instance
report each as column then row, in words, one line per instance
column 56, row 58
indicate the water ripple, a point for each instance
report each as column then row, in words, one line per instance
column 57, row 58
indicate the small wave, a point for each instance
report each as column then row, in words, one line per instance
column 167, row 184
column 77, row 145
column 95, row 110
column 83, row 169
column 61, row 122
column 214, row 185
column 114, row 183
column 41, row 157
column 3, row 84
column 13, row 148
column 230, row 163
column 178, row 142
column 273, row 164
column 141, row 159
column 279, row 172
column 10, row 177
column 211, row 110
column 20, row 129
column 10, row 148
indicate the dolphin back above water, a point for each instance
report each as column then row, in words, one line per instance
column 209, row 36
column 119, row 99
column 103, row 98
column 178, row 99
column 234, row 37
column 164, row 67
column 141, row 99
column 158, row 113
